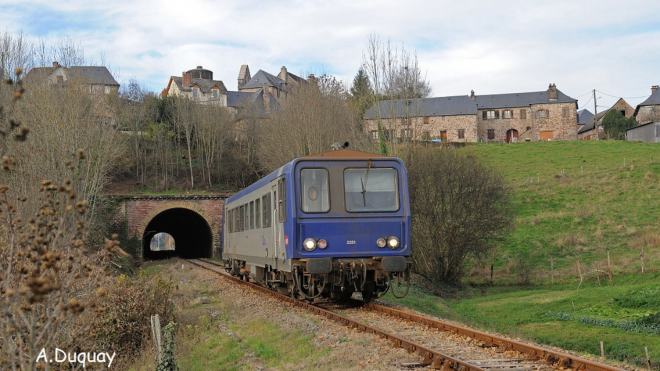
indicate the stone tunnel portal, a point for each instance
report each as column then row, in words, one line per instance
column 192, row 234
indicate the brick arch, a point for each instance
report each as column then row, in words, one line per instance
column 192, row 206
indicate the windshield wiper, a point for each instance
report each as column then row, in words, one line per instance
column 364, row 184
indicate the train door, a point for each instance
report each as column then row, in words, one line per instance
column 279, row 217
column 275, row 229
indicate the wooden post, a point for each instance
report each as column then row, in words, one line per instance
column 641, row 258
column 580, row 273
column 573, row 304
column 602, row 351
column 155, row 333
column 624, row 162
column 648, row 359
column 492, row 267
column 609, row 269
column 552, row 271
column 581, row 170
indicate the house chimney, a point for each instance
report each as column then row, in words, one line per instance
column 654, row 88
column 283, row 74
column 472, row 94
column 266, row 97
column 552, row 92
column 311, row 78
column 56, row 64
column 186, row 80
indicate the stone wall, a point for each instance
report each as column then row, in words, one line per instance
column 425, row 128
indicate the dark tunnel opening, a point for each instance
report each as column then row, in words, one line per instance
column 192, row 235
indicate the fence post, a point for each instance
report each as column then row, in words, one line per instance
column 155, row 333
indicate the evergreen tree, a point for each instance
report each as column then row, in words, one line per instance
column 361, row 93
column 615, row 124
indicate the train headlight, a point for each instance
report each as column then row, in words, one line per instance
column 309, row 244
column 322, row 244
column 393, row 242
column 381, row 242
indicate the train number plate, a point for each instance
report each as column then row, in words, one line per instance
column 350, row 242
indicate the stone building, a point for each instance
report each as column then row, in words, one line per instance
column 97, row 81
column 260, row 94
column 535, row 116
column 588, row 131
column 649, row 110
column 198, row 85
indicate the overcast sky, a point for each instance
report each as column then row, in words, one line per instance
column 487, row 46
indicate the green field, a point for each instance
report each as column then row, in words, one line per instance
column 575, row 202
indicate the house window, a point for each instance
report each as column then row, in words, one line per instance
column 374, row 134
column 426, row 135
column 523, row 114
column 491, row 133
column 543, row 113
column 107, row 90
column 60, row 79
column 195, row 92
column 426, row 120
column 214, row 93
column 404, row 121
column 507, row 114
column 461, row 133
column 565, row 113
column 491, row 115
column 406, row 133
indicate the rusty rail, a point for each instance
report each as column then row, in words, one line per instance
column 434, row 359
column 562, row 359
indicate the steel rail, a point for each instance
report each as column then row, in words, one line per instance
column 443, row 361
column 553, row 357
column 432, row 358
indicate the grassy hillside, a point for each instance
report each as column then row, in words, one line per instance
column 577, row 201
column 574, row 201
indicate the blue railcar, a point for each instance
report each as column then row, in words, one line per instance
column 323, row 225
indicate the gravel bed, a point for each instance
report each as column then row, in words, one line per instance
column 347, row 349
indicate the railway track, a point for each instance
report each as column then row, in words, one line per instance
column 487, row 351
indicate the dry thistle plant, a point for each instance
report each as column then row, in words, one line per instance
column 45, row 268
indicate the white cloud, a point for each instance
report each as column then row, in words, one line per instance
column 491, row 47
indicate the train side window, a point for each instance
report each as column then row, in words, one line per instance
column 257, row 209
column 236, row 225
column 251, row 214
column 281, row 201
column 267, row 213
column 241, row 219
column 230, row 223
column 247, row 218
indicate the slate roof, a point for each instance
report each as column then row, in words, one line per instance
column 204, row 85
column 591, row 124
column 519, row 99
column 441, row 106
column 583, row 116
column 93, row 75
column 237, row 99
column 261, row 78
column 653, row 100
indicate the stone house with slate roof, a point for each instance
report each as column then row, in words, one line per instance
column 535, row 116
column 198, row 85
column 588, row 130
column 649, row 110
column 96, row 80
column 262, row 92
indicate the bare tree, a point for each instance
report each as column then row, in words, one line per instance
column 314, row 116
column 460, row 210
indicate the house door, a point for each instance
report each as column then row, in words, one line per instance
column 512, row 135
column 546, row 135
column 443, row 136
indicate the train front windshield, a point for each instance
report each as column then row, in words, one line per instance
column 370, row 190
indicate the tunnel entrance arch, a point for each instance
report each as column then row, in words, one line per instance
column 192, row 234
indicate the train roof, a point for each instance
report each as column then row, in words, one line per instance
column 345, row 154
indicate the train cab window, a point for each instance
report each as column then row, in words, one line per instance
column 257, row 210
column 281, row 201
column 314, row 194
column 267, row 212
column 369, row 189
column 251, row 214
